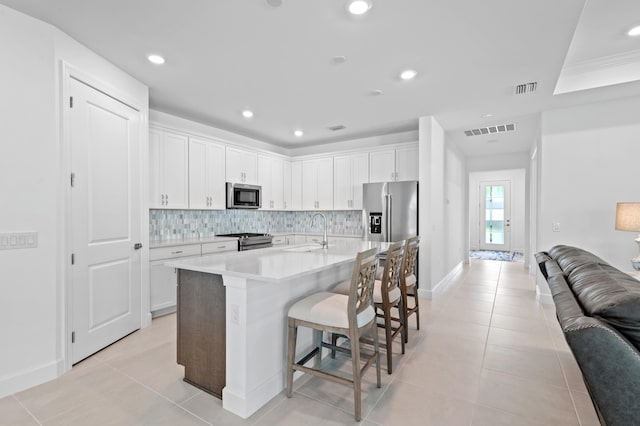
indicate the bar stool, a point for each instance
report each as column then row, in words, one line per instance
column 386, row 296
column 409, row 283
column 351, row 315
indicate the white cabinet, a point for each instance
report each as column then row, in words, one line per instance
column 317, row 184
column 286, row 187
column 280, row 240
column 349, row 173
column 407, row 163
column 382, row 165
column 242, row 166
column 271, row 178
column 393, row 164
column 163, row 280
column 219, row 247
column 168, row 170
column 206, row 175
column 296, row 186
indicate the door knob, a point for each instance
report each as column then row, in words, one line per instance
column 137, row 246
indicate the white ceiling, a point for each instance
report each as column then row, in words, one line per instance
column 227, row 55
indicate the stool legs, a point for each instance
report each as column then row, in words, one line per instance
column 291, row 354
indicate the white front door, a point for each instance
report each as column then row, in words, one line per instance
column 495, row 216
column 105, row 219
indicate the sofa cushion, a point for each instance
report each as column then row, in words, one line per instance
column 569, row 258
column 609, row 294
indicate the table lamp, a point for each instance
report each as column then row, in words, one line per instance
column 628, row 219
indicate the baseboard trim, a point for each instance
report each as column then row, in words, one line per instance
column 28, row 378
column 543, row 298
column 428, row 294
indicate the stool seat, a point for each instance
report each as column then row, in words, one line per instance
column 394, row 295
column 329, row 309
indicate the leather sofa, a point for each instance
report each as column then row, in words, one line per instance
column 598, row 308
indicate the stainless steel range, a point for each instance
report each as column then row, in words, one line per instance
column 251, row 241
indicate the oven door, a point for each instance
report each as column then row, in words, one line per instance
column 241, row 196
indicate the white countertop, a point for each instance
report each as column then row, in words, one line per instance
column 278, row 263
column 189, row 241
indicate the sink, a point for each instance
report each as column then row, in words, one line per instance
column 304, row 248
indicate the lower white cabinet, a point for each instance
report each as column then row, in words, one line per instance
column 280, row 240
column 163, row 280
column 163, row 285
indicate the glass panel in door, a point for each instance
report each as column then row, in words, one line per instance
column 495, row 222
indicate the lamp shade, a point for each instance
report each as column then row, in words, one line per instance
column 628, row 217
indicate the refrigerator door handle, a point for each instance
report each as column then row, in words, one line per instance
column 387, row 214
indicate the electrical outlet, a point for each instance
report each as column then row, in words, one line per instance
column 555, row 227
column 235, row 314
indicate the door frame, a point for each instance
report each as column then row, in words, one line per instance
column 64, row 319
column 508, row 183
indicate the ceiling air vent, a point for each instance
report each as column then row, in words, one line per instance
column 336, row 128
column 500, row 128
column 524, row 88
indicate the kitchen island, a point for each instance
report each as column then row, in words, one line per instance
column 241, row 300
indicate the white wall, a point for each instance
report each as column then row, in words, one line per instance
column 32, row 185
column 588, row 162
column 517, row 205
column 28, row 187
column 442, row 207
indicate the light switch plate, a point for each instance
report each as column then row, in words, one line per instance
column 18, row 240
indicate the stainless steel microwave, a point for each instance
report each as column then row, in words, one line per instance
column 242, row 196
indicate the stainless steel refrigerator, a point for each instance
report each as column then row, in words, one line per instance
column 390, row 210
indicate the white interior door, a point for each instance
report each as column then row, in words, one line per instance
column 495, row 216
column 105, row 219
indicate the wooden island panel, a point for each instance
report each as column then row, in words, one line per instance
column 202, row 330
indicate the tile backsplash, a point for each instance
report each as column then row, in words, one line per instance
column 185, row 224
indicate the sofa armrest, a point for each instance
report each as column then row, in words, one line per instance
column 610, row 366
column 541, row 258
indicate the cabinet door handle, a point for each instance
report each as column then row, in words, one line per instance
column 176, row 252
column 166, row 197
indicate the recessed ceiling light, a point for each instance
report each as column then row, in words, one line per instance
column 339, row 59
column 247, row 113
column 376, row 92
column 298, row 133
column 635, row 31
column 358, row 7
column 408, row 74
column 156, row 59
column 486, row 115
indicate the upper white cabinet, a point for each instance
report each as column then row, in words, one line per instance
column 271, row 178
column 349, row 173
column 296, row 186
column 407, row 163
column 393, row 164
column 206, row 175
column 286, row 187
column 168, row 170
column 317, row 184
column 242, row 166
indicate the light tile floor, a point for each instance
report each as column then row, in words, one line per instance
column 486, row 354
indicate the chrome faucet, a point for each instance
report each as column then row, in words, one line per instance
column 325, row 241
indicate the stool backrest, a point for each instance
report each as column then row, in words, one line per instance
column 410, row 257
column 362, row 281
column 392, row 269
